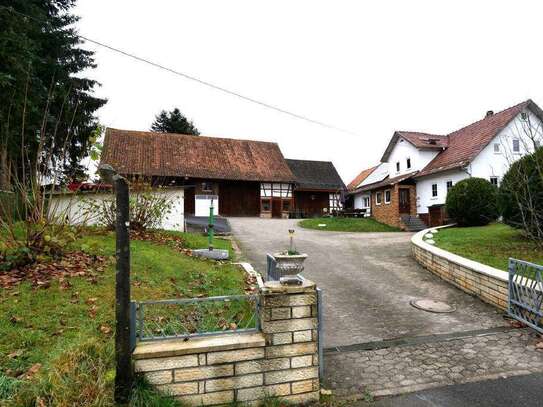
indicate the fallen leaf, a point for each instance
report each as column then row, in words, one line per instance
column 32, row 371
column 91, row 300
column 92, row 311
column 105, row 329
column 15, row 354
column 14, row 319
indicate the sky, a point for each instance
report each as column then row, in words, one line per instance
column 368, row 67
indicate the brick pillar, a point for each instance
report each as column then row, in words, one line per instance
column 289, row 324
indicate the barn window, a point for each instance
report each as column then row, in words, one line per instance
column 266, row 205
column 207, row 187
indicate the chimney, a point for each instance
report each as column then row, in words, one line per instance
column 489, row 113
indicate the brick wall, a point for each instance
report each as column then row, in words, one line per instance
column 390, row 213
column 490, row 285
column 281, row 361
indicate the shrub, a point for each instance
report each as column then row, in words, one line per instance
column 472, row 202
column 520, row 197
column 147, row 208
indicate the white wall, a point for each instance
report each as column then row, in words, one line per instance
column 424, row 188
column 402, row 150
column 202, row 203
column 359, row 201
column 75, row 207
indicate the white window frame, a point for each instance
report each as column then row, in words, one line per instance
column 496, row 178
column 377, row 195
column 437, row 191
column 447, row 184
column 366, row 201
column 497, row 148
column 516, row 151
column 389, row 196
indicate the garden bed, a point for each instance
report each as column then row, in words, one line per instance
column 492, row 245
column 347, row 225
column 56, row 339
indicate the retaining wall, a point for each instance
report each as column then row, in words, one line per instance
column 485, row 282
column 280, row 361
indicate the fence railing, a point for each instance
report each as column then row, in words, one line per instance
column 272, row 273
column 526, row 293
column 184, row 318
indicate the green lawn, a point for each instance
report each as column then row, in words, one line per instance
column 68, row 328
column 491, row 245
column 347, row 225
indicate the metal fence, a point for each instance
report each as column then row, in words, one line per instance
column 184, row 318
column 272, row 274
column 526, row 293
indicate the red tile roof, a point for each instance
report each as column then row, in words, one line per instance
column 179, row 155
column 425, row 140
column 360, row 178
column 465, row 144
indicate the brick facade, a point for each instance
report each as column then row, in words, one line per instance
column 282, row 360
column 389, row 213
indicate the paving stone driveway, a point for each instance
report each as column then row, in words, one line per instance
column 368, row 280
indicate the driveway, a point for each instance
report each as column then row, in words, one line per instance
column 368, row 280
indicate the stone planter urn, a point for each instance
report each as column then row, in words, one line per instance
column 289, row 265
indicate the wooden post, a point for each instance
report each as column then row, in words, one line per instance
column 123, row 377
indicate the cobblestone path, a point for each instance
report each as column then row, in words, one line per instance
column 432, row 362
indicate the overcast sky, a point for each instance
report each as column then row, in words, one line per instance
column 369, row 67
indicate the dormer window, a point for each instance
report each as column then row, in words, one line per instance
column 398, row 166
column 408, row 163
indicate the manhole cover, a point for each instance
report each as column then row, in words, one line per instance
column 429, row 305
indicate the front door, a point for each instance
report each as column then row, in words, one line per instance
column 405, row 202
column 276, row 208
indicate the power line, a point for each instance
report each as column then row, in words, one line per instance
column 195, row 79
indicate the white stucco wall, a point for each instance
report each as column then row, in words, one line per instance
column 487, row 163
column 403, row 150
column 359, row 201
column 202, row 203
column 75, row 207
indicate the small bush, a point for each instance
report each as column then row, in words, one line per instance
column 472, row 202
column 520, row 197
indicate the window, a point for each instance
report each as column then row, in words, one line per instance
column 494, row 181
column 366, row 202
column 516, row 145
column 408, row 163
column 378, row 198
column 434, row 190
column 207, row 187
column 387, row 196
column 496, row 148
column 275, row 190
column 449, row 185
column 266, row 205
column 398, row 166
column 286, row 205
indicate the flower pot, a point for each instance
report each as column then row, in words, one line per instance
column 289, row 264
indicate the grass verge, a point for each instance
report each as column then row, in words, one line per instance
column 491, row 245
column 56, row 343
column 347, row 225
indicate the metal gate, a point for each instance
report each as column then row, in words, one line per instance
column 526, row 293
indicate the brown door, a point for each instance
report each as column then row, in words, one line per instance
column 189, row 201
column 405, row 202
column 276, row 207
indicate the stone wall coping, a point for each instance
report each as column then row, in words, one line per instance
column 275, row 287
column 249, row 269
column 477, row 267
column 176, row 347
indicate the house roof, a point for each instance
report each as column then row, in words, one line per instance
column 386, row 182
column 465, row 144
column 316, row 175
column 420, row 140
column 360, row 178
column 179, row 155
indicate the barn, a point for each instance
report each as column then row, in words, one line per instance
column 319, row 187
column 242, row 177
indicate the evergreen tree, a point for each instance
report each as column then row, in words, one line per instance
column 47, row 113
column 174, row 122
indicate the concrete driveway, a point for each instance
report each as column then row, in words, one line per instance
column 368, row 280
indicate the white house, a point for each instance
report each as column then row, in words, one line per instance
column 428, row 165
